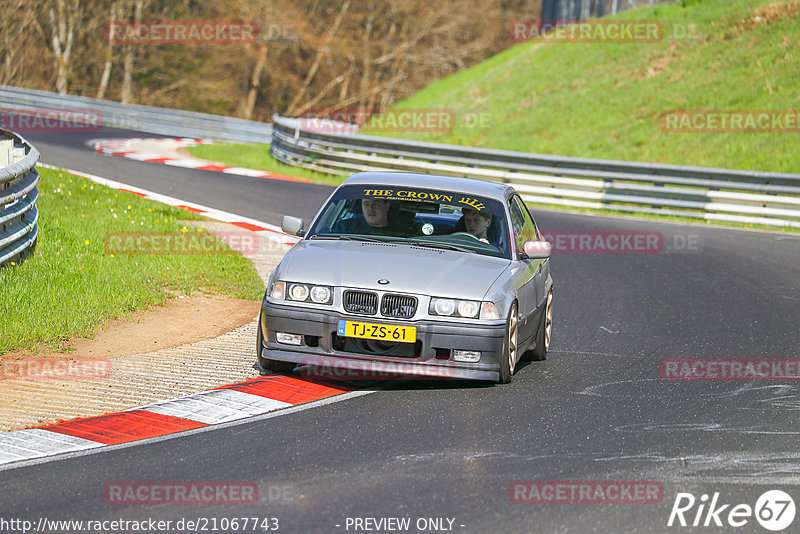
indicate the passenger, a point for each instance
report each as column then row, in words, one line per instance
column 477, row 223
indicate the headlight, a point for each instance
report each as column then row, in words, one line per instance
column 298, row 292
column 456, row 308
column 468, row 308
column 302, row 292
column 320, row 294
column 443, row 306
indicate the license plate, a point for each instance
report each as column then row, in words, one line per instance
column 385, row 332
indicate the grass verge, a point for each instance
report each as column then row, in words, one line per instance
column 71, row 284
column 257, row 156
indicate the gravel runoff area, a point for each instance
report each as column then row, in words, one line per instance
column 141, row 379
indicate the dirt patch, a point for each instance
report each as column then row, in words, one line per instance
column 766, row 14
column 184, row 152
column 660, row 63
column 181, row 321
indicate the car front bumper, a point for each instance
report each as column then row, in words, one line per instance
column 319, row 335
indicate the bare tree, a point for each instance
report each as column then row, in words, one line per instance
column 127, row 69
column 263, row 12
column 294, row 106
column 63, row 18
column 15, row 27
column 101, row 89
column 370, row 53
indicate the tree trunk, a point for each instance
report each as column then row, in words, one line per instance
column 62, row 29
column 101, row 89
column 127, row 73
column 255, row 81
column 367, row 98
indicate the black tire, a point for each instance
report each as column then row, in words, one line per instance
column 508, row 357
column 545, row 332
column 265, row 364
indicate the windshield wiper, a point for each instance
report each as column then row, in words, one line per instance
column 359, row 238
column 445, row 246
column 345, row 238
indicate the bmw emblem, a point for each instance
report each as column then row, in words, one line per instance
column 383, row 281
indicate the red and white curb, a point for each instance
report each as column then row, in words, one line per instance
column 222, row 405
column 165, row 150
column 226, row 404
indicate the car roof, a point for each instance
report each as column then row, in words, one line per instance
column 430, row 181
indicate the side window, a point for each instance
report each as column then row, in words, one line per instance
column 529, row 219
column 524, row 227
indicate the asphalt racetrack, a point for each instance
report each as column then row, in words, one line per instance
column 445, row 454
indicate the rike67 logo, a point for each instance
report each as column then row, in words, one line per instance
column 774, row 510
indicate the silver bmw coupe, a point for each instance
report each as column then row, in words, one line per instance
column 411, row 275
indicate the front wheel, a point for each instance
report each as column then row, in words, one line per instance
column 266, row 364
column 545, row 331
column 508, row 357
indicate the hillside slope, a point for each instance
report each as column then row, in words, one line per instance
column 605, row 100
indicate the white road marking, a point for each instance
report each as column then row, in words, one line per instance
column 38, row 442
column 216, row 406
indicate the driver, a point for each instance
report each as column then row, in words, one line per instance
column 477, row 223
column 377, row 220
column 376, row 212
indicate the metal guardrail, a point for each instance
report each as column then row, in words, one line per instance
column 163, row 121
column 749, row 197
column 19, row 215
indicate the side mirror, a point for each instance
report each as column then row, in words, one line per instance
column 293, row 225
column 537, row 250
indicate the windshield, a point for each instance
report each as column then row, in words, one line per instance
column 423, row 217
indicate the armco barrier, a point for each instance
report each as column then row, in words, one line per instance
column 18, row 194
column 170, row 122
column 748, row 197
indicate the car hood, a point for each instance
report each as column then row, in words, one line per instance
column 409, row 269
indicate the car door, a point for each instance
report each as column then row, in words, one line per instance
column 529, row 271
column 542, row 266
